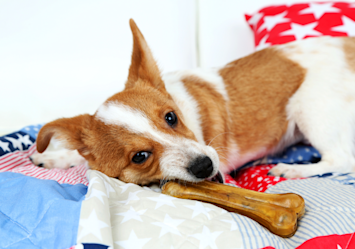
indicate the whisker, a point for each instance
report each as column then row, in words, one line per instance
column 217, row 136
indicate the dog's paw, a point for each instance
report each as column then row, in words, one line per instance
column 62, row 159
column 286, row 170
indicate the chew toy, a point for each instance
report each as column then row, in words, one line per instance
column 277, row 212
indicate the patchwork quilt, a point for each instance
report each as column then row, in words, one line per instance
column 83, row 208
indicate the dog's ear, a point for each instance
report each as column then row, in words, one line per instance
column 143, row 65
column 67, row 130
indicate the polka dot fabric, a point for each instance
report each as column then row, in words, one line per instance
column 254, row 176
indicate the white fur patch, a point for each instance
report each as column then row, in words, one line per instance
column 186, row 103
column 323, row 108
column 114, row 113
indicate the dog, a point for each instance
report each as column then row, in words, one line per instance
column 190, row 124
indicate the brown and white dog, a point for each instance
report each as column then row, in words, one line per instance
column 190, row 124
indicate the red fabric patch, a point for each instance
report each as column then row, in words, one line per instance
column 255, row 178
column 345, row 241
column 279, row 24
column 334, row 241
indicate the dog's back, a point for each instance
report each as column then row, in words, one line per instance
column 273, row 98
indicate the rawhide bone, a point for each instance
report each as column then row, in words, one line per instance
column 277, row 212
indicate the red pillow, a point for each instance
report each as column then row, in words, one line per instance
column 280, row 24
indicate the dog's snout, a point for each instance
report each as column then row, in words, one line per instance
column 201, row 167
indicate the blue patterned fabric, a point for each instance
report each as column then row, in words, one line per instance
column 35, row 213
column 296, row 154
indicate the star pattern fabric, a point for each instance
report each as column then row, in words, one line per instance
column 198, row 209
column 133, row 241
column 131, row 214
column 154, row 221
column 163, row 200
column 207, row 238
column 91, row 226
column 169, row 225
column 279, row 24
column 319, row 9
column 348, row 26
column 18, row 141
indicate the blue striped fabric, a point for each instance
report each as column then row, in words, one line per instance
column 330, row 209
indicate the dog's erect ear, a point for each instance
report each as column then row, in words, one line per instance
column 68, row 130
column 143, row 65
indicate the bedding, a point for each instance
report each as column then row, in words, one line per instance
column 82, row 208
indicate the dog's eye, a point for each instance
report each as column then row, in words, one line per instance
column 171, row 119
column 141, row 157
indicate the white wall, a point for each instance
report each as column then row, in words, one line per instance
column 63, row 58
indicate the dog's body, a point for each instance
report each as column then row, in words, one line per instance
column 187, row 125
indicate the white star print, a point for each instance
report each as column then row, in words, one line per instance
column 96, row 193
column 16, row 143
column 92, row 182
column 233, row 224
column 109, row 188
column 347, row 27
column 131, row 197
column 163, row 200
column 131, row 214
column 125, row 187
column 24, row 139
column 207, row 238
column 199, row 208
column 4, row 146
column 301, row 31
column 254, row 20
column 319, row 9
column 133, row 242
column 169, row 225
column 271, row 21
column 91, row 225
column 263, row 44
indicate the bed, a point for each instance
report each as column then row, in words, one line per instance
column 83, row 208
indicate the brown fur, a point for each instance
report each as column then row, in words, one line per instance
column 213, row 113
column 349, row 50
column 259, row 88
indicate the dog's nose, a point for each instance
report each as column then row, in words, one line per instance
column 201, row 167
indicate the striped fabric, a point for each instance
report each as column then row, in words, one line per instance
column 330, row 209
column 15, row 150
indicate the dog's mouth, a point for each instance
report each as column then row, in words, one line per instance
column 219, row 177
